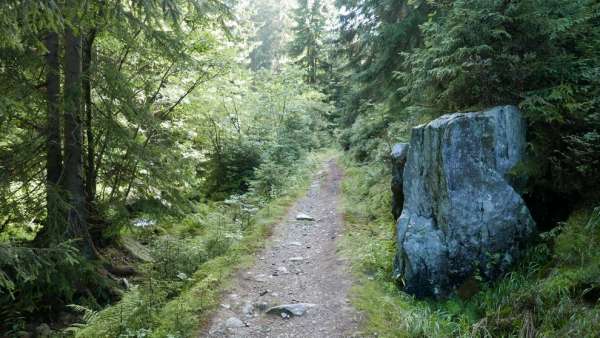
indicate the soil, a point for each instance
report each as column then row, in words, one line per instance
column 298, row 265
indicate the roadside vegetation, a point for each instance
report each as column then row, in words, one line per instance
column 450, row 56
column 553, row 292
column 192, row 263
column 145, row 149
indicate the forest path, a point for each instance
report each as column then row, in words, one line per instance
column 298, row 265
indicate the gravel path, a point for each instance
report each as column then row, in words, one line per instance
column 298, row 265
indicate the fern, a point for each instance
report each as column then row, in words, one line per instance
column 19, row 264
column 87, row 316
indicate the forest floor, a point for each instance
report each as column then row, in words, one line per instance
column 300, row 266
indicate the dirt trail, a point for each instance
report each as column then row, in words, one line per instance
column 298, row 265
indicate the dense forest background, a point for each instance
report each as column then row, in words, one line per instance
column 152, row 142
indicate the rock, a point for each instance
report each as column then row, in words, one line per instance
column 304, row 217
column 282, row 270
column 261, row 278
column 296, row 309
column 136, row 249
column 234, row 323
column 43, row 331
column 461, row 215
column 248, row 309
column 399, row 152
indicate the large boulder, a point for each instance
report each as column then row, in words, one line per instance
column 461, row 217
column 399, row 152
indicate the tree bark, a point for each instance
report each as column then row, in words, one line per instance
column 54, row 166
column 95, row 223
column 73, row 163
column 90, row 170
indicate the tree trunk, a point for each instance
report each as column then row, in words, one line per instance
column 54, row 220
column 90, row 170
column 73, row 179
column 96, row 225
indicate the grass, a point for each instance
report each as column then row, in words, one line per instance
column 181, row 289
column 553, row 292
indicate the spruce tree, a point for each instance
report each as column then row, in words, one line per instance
column 306, row 47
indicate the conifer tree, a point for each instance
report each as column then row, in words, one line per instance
column 270, row 20
column 306, row 47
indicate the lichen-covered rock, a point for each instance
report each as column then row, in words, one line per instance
column 461, row 216
column 399, row 152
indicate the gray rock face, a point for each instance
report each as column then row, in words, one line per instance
column 461, row 215
column 399, row 152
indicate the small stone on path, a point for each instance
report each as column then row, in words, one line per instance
column 304, row 217
column 233, row 323
column 282, row 270
column 297, row 309
column 248, row 309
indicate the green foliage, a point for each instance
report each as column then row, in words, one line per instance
column 307, row 45
column 259, row 125
column 272, row 33
column 370, row 111
column 443, row 57
column 541, row 55
column 373, row 133
column 374, row 34
column 554, row 292
column 26, row 264
column 177, row 130
column 34, row 280
column 138, row 52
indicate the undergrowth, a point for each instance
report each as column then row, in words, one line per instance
column 193, row 260
column 553, row 292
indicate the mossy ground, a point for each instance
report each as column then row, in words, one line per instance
column 553, row 292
